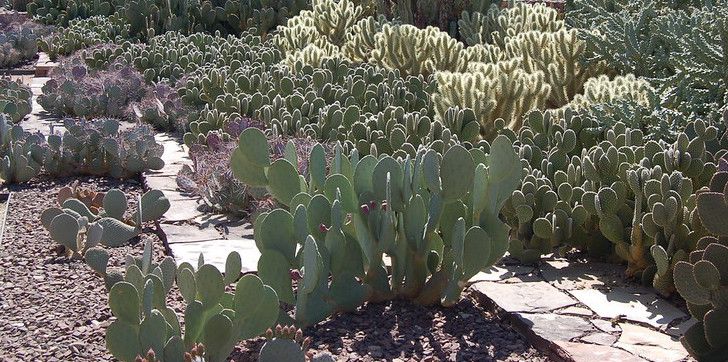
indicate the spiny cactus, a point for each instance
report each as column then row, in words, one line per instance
column 18, row 40
column 495, row 25
column 366, row 201
column 284, row 343
column 60, row 12
column 79, row 227
column 21, row 152
column 15, row 99
column 99, row 147
column 84, row 33
column 492, row 91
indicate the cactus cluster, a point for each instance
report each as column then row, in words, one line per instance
column 21, row 153
column 15, row 99
column 61, row 12
column 213, row 317
column 679, row 48
column 609, row 192
column 86, row 148
column 701, row 276
column 100, row 148
column 77, row 91
column 18, row 40
column 435, row 216
column 79, row 227
column 84, row 33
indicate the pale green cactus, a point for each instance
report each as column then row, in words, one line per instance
column 212, row 316
column 501, row 90
column 411, row 209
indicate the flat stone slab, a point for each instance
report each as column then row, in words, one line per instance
column 524, row 297
column 189, row 233
column 645, row 307
column 584, row 352
column 576, row 311
column 497, row 273
column 183, row 210
column 569, row 276
column 649, row 344
column 556, row 327
column 601, row 338
column 606, row 326
column 159, row 182
column 216, row 252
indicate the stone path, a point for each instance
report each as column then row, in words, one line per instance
column 584, row 311
column 191, row 231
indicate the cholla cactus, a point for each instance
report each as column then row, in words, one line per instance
column 496, row 25
column 416, row 51
column 492, row 91
column 601, row 89
column 558, row 55
column 360, row 40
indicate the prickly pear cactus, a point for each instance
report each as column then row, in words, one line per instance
column 15, row 99
column 284, row 343
column 435, row 216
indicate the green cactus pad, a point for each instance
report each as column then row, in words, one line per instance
column 116, row 233
column 115, row 204
column 97, row 259
column 283, row 181
column 124, row 302
column 153, row 333
column 210, row 287
column 281, row 349
column 254, row 146
column 122, row 341
column 64, row 230
column 256, row 306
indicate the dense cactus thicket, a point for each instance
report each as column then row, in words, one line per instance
column 434, row 135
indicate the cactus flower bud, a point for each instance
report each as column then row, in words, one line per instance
column 384, row 206
column 295, row 274
column 269, row 334
column 299, row 336
column 188, row 357
column 323, row 228
column 365, row 209
column 372, row 204
column 279, row 330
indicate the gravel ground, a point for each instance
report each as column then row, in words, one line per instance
column 53, row 309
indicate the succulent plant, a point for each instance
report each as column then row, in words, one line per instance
column 212, row 317
column 99, row 147
column 79, row 228
column 15, row 99
column 413, row 210
column 84, row 33
column 75, row 90
column 61, row 12
column 21, row 152
column 18, row 37
column 284, row 343
column 701, row 277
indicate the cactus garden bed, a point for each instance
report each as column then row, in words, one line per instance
column 364, row 180
column 44, row 294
